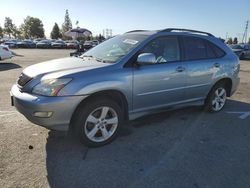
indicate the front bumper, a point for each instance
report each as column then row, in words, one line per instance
column 62, row 108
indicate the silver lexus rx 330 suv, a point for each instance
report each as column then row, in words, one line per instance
column 125, row 77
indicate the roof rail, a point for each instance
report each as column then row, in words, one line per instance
column 187, row 30
column 136, row 31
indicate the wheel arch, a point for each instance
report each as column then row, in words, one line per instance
column 228, row 84
column 114, row 95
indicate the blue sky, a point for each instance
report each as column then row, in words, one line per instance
column 216, row 16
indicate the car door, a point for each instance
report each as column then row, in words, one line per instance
column 202, row 63
column 163, row 83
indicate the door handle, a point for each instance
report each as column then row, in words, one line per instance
column 217, row 65
column 180, row 69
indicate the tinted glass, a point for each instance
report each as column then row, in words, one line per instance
column 210, row 51
column 218, row 52
column 166, row 49
column 195, row 48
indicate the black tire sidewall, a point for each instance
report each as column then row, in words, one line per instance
column 210, row 97
column 82, row 114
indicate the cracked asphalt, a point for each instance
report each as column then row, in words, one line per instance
column 181, row 148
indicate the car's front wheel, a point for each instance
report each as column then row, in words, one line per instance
column 216, row 98
column 97, row 122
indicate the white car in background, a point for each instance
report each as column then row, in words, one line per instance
column 5, row 52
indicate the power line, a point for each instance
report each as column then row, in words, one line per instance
column 244, row 38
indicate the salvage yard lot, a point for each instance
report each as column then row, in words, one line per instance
column 180, row 148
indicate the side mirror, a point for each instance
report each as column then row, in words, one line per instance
column 146, row 58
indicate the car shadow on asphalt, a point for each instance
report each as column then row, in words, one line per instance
column 8, row 66
column 140, row 146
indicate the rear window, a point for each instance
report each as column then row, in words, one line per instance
column 218, row 52
column 196, row 48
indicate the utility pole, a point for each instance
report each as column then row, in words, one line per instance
column 244, row 38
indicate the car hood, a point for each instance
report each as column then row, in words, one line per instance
column 237, row 50
column 62, row 66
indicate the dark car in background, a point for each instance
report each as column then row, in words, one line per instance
column 12, row 43
column 241, row 50
column 26, row 44
column 58, row 44
column 44, row 44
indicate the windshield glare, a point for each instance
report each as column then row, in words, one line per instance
column 115, row 48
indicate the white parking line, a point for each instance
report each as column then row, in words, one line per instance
column 243, row 115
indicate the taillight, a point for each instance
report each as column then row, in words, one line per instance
column 6, row 49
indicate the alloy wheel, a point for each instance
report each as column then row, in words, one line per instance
column 101, row 124
column 219, row 99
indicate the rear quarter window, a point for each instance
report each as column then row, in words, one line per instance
column 194, row 48
column 218, row 51
column 197, row 49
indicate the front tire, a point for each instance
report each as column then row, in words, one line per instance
column 216, row 98
column 97, row 122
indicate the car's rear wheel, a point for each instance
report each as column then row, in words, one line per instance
column 216, row 98
column 97, row 122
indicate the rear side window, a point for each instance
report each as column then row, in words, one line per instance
column 217, row 51
column 196, row 48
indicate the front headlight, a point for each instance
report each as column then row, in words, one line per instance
column 50, row 87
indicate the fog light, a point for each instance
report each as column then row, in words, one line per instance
column 43, row 114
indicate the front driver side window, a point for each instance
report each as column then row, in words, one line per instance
column 165, row 49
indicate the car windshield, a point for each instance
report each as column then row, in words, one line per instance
column 115, row 48
column 237, row 47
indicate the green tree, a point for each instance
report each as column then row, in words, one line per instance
column 230, row 41
column 1, row 31
column 32, row 28
column 67, row 24
column 101, row 38
column 249, row 41
column 16, row 32
column 235, row 41
column 55, row 33
column 8, row 26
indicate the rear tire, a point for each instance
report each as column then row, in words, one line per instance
column 216, row 98
column 97, row 122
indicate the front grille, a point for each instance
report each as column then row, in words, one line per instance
column 23, row 79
